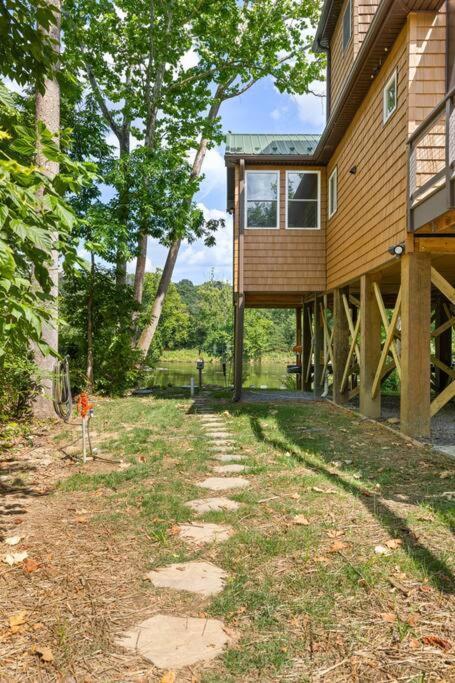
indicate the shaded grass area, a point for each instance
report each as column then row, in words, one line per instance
column 300, row 598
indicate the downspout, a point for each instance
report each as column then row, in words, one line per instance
column 326, row 49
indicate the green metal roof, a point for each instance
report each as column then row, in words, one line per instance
column 271, row 145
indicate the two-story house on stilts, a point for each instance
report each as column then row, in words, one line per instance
column 355, row 228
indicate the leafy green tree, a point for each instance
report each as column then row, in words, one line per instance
column 132, row 56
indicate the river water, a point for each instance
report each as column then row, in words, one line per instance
column 258, row 375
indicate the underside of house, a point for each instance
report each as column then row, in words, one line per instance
column 355, row 228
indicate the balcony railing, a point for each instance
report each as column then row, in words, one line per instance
column 431, row 171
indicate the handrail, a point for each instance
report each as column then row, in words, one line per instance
column 437, row 111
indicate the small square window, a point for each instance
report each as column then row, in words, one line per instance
column 390, row 97
column 347, row 24
column 333, row 193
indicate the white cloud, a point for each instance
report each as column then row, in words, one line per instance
column 278, row 113
column 311, row 109
column 189, row 59
column 214, row 171
column 196, row 261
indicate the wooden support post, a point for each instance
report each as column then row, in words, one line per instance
column 238, row 346
column 340, row 345
column 415, row 344
column 298, row 342
column 370, row 347
column 443, row 345
column 307, row 347
column 318, row 349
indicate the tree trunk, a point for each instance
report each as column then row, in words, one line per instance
column 148, row 333
column 124, row 143
column 140, row 268
column 90, row 378
column 47, row 111
column 146, row 337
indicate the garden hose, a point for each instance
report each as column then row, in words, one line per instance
column 61, row 390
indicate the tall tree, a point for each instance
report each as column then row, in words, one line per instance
column 170, row 65
column 47, row 114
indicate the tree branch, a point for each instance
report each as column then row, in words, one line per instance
column 97, row 92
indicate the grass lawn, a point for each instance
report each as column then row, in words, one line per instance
column 341, row 567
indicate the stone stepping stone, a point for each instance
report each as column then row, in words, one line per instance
column 223, row 483
column 202, row 505
column 205, row 532
column 203, row 578
column 174, row 642
column 222, row 446
column 219, row 435
column 228, row 469
column 228, row 457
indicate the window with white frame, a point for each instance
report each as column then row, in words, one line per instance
column 347, row 24
column 390, row 96
column 333, row 192
column 303, row 200
column 262, row 195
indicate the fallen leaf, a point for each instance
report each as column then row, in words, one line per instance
column 337, row 546
column 414, row 644
column 437, row 642
column 16, row 621
column 141, row 458
column 44, row 652
column 81, row 520
column 15, row 558
column 445, row 475
column 322, row 559
column 389, row 617
column 301, row 520
column 30, row 566
column 335, row 533
column 13, row 540
column 168, row 677
column 413, row 620
column 394, row 543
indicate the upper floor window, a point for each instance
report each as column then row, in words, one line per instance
column 333, row 192
column 262, row 194
column 390, row 96
column 303, row 199
column 347, row 24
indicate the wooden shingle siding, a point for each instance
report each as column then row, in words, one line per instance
column 371, row 212
column 341, row 59
column 286, row 260
column 427, row 58
column 364, row 12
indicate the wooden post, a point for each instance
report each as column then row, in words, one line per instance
column 443, row 346
column 298, row 342
column 238, row 346
column 318, row 349
column 306, row 351
column 370, row 346
column 340, row 345
column 415, row 344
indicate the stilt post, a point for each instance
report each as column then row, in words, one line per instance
column 415, row 344
column 238, row 346
column 318, row 348
column 340, row 344
column 307, row 344
column 370, row 346
column 298, row 341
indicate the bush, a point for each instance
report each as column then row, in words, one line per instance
column 17, row 385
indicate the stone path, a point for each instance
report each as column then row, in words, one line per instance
column 173, row 642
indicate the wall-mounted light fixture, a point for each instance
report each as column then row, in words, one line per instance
column 397, row 250
column 353, row 170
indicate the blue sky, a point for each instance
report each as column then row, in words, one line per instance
column 260, row 110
